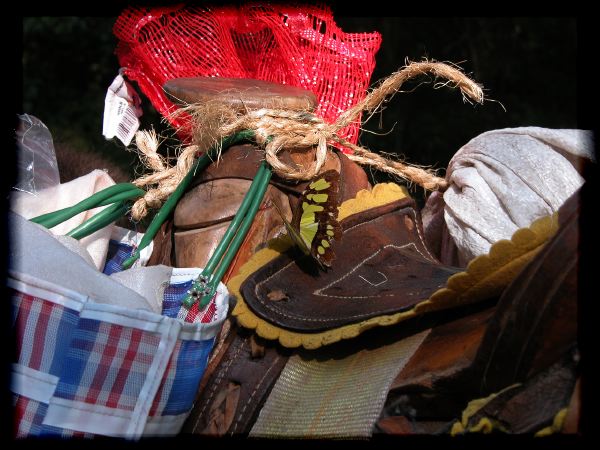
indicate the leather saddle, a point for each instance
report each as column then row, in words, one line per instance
column 444, row 349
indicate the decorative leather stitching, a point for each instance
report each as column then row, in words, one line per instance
column 237, row 422
column 319, row 292
column 278, row 311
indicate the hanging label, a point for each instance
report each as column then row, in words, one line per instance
column 121, row 111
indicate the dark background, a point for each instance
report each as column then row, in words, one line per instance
column 527, row 64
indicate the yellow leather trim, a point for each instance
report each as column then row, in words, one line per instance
column 485, row 425
column 485, row 276
column 557, row 424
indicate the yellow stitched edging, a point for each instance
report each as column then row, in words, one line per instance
column 485, row 276
column 381, row 194
column 557, row 424
column 485, row 425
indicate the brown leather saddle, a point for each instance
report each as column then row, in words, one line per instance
column 515, row 349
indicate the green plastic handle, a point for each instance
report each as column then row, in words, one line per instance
column 232, row 229
column 106, row 196
column 234, row 225
column 263, row 182
column 170, row 204
column 100, row 220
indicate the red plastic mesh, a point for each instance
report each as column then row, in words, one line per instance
column 299, row 46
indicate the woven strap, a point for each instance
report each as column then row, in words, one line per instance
column 333, row 398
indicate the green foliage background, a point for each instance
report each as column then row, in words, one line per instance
column 527, row 64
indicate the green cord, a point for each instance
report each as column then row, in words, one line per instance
column 105, row 214
column 170, row 204
column 103, row 218
column 111, row 194
column 166, row 210
column 202, row 280
column 239, row 238
column 127, row 195
column 255, row 199
column 244, row 228
column 118, row 194
column 234, row 225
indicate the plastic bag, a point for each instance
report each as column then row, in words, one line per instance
column 91, row 359
column 37, row 168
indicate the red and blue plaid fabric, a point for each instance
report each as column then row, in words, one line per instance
column 172, row 305
column 117, row 253
column 28, row 416
column 28, row 421
column 102, row 360
column 84, row 369
column 42, row 325
column 183, row 372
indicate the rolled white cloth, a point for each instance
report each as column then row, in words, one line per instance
column 64, row 195
column 499, row 182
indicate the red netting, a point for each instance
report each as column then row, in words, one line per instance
column 299, row 46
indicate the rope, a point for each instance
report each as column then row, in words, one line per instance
column 279, row 129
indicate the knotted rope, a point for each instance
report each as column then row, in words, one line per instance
column 278, row 129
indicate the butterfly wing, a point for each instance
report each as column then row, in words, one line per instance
column 317, row 222
column 296, row 237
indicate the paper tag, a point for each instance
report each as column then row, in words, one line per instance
column 121, row 111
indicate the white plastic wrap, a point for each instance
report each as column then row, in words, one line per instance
column 36, row 161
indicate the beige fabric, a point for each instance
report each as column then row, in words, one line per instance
column 92, row 250
column 34, row 253
column 333, row 398
column 64, row 195
column 499, row 182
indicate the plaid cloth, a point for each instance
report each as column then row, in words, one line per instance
column 85, row 368
column 117, row 253
column 120, row 247
column 172, row 305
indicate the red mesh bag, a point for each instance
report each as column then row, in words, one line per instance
column 299, row 46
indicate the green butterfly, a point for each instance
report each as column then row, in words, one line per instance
column 314, row 224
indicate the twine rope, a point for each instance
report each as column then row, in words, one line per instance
column 279, row 129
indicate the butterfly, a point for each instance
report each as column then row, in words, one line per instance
column 314, row 224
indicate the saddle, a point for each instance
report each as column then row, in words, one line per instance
column 388, row 340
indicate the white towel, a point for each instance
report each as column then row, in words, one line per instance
column 501, row 181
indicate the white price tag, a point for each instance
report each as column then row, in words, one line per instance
column 121, row 111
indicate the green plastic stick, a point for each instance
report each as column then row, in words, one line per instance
column 170, row 204
column 101, row 198
column 100, row 220
column 263, row 183
column 127, row 195
column 235, row 223
column 166, row 210
column 200, row 283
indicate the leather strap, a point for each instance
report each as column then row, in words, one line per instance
column 235, row 391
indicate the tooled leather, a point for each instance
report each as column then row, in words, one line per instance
column 382, row 267
column 255, row 378
column 242, row 161
column 532, row 327
column 197, row 208
column 195, row 242
column 194, row 247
